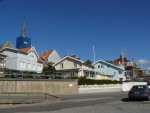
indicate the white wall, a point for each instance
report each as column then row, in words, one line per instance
column 23, row 62
column 39, row 67
column 11, row 63
column 128, row 85
column 54, row 57
column 67, row 64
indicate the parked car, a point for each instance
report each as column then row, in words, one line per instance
column 139, row 92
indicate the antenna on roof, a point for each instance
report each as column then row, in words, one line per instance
column 123, row 55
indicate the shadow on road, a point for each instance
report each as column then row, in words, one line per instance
column 125, row 100
column 128, row 100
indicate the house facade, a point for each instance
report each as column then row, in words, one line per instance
column 25, row 59
column 131, row 69
column 122, row 61
column 106, row 70
column 74, row 67
column 51, row 56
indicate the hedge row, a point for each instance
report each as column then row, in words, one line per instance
column 84, row 81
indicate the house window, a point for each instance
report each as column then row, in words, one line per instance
column 31, row 56
column 24, row 65
column 61, row 65
column 21, row 64
column 29, row 65
column 98, row 66
column 33, row 66
column 125, row 64
column 120, row 72
column 114, row 73
column 75, row 64
column 102, row 66
column 72, row 73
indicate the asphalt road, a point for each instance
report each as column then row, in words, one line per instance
column 84, row 103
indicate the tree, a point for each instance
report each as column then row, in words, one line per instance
column 89, row 62
column 49, row 67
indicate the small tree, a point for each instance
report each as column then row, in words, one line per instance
column 89, row 62
column 49, row 67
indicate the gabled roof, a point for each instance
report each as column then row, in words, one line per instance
column 2, row 55
column 45, row 55
column 40, row 60
column 24, row 51
column 7, row 44
column 27, row 50
column 10, row 49
column 108, row 64
column 68, row 57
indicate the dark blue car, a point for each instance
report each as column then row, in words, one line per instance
column 139, row 92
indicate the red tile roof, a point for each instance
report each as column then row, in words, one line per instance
column 25, row 50
column 39, row 60
column 121, row 59
column 45, row 55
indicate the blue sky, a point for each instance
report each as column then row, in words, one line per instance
column 74, row 26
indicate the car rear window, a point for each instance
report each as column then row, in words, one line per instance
column 139, row 88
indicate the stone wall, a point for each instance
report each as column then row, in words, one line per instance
column 55, row 87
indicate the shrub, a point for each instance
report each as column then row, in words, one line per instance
column 84, row 81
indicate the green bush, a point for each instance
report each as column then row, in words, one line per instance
column 84, row 81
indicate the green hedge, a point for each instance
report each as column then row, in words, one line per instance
column 84, row 81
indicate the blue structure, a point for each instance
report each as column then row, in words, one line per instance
column 23, row 41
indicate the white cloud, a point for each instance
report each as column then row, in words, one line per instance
column 145, row 64
column 143, row 61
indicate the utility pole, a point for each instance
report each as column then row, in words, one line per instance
column 94, row 61
column 94, row 53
